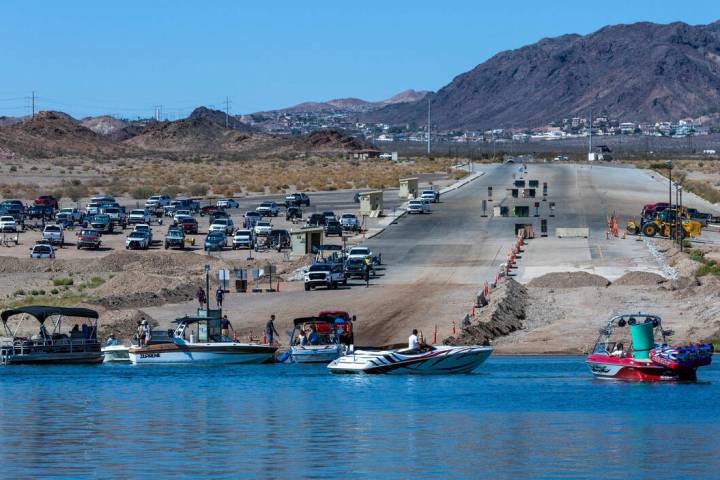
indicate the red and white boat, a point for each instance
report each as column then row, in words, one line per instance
column 647, row 360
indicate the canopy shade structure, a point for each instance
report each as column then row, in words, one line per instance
column 42, row 313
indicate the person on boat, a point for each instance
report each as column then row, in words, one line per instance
column 301, row 338
column 44, row 332
column 619, row 351
column 226, row 326
column 413, row 342
column 85, row 331
column 146, row 332
column 75, row 329
column 200, row 295
column 313, row 338
column 140, row 333
column 219, row 294
column 270, row 329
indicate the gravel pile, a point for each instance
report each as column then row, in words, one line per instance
column 568, row 280
column 503, row 315
column 640, row 278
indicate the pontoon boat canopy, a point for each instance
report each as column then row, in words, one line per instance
column 42, row 313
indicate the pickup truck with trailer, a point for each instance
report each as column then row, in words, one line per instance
column 40, row 212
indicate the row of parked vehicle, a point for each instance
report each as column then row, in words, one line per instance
column 339, row 267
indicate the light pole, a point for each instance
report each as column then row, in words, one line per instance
column 681, row 232
column 669, row 166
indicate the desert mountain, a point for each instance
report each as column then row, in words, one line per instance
column 349, row 105
column 638, row 72
column 52, row 134
column 113, row 128
column 331, row 140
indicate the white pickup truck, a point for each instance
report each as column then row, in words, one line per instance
column 54, row 234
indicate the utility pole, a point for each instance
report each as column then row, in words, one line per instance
column 428, row 128
column 590, row 137
column 33, row 104
column 227, row 112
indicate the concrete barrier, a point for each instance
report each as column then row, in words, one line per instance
column 572, row 232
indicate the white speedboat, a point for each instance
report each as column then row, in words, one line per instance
column 320, row 339
column 205, row 345
column 427, row 360
column 115, row 352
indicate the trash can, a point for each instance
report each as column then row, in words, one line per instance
column 643, row 339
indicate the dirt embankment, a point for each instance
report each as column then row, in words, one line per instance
column 503, row 315
column 568, row 280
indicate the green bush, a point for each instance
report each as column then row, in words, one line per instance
column 54, row 291
column 696, row 255
column 95, row 282
column 139, row 193
column 710, row 268
column 34, row 292
column 59, row 282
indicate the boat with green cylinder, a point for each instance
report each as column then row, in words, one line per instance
column 650, row 358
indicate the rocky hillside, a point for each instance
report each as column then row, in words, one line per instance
column 54, row 134
column 638, row 72
column 348, row 105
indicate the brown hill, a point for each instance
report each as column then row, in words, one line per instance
column 112, row 128
column 53, row 134
column 331, row 140
column 638, row 72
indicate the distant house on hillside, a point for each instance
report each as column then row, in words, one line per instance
column 365, row 154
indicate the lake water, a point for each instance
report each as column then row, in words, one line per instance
column 541, row 417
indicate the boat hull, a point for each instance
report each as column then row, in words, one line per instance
column 629, row 369
column 314, row 355
column 116, row 354
column 224, row 354
column 41, row 358
column 441, row 361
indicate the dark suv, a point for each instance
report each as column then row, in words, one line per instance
column 297, row 200
column 316, row 220
column 333, row 227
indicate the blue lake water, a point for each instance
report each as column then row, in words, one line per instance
column 542, row 417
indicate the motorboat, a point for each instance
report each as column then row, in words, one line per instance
column 649, row 358
column 114, row 351
column 425, row 360
column 320, row 339
column 78, row 345
column 199, row 339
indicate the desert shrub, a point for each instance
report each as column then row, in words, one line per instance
column 13, row 168
column 59, row 282
column 139, row 193
column 19, row 293
column 54, row 291
column 696, row 255
column 198, row 190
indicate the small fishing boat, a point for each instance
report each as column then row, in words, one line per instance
column 115, row 351
column 200, row 340
column 78, row 345
column 319, row 339
column 426, row 360
column 648, row 360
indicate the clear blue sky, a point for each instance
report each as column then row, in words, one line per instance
column 124, row 57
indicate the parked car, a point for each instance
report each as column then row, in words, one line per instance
column 138, row 239
column 430, row 195
column 316, row 220
column 208, row 209
column 328, row 275
column 54, row 234
column 144, row 227
column 175, row 238
column 189, row 225
column 179, row 215
column 418, row 206
column 92, row 208
column 243, row 239
column 268, row 209
column 8, row 224
column 355, row 267
column 333, row 227
column 47, row 200
column 42, row 250
column 292, row 213
column 157, row 201
column 251, row 219
column 116, row 214
column 227, row 203
column 216, row 215
column 12, row 203
column 278, row 239
column 223, row 225
column 138, row 215
column 102, row 223
column 72, row 213
column 181, row 204
column 262, row 228
column 329, row 216
column 40, row 212
column 215, row 241
column 88, row 238
column 350, row 222
column 297, row 200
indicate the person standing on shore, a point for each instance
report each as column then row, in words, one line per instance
column 200, row 295
column 219, row 295
column 270, row 329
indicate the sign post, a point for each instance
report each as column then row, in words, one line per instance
column 484, row 209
